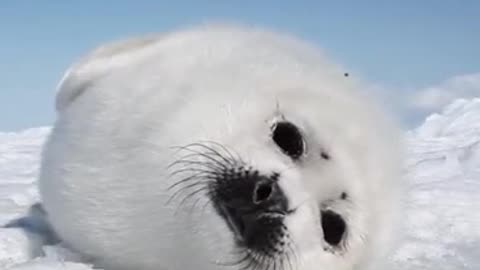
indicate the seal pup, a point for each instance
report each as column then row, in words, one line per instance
column 219, row 147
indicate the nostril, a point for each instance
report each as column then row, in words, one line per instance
column 263, row 191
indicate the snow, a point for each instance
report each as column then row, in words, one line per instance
column 443, row 202
column 442, row 221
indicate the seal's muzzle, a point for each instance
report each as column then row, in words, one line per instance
column 254, row 207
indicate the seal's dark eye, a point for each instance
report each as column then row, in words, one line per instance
column 289, row 138
column 333, row 226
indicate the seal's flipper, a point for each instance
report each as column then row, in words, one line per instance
column 36, row 222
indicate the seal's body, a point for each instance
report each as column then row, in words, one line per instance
column 218, row 148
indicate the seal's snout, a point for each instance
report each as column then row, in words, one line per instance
column 249, row 192
column 253, row 205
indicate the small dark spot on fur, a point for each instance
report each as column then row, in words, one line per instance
column 344, row 196
column 325, row 155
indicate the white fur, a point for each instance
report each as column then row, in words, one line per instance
column 121, row 109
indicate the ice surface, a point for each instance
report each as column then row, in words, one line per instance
column 443, row 199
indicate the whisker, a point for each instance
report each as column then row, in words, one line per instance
column 175, row 194
column 293, row 253
column 194, row 205
column 186, row 161
column 235, row 158
column 209, row 157
column 251, row 260
column 203, row 209
column 262, row 262
column 288, row 259
column 216, row 153
column 274, row 263
column 190, row 195
column 238, row 262
column 184, row 170
column 199, row 175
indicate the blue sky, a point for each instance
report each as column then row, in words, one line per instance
column 407, row 48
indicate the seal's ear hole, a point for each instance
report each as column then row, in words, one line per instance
column 289, row 138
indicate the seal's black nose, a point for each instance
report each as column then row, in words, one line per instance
column 250, row 192
column 251, row 203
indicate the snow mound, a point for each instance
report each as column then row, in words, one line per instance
column 442, row 220
column 456, row 131
column 443, row 202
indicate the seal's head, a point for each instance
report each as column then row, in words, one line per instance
column 310, row 185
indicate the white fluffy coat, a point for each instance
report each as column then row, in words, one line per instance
column 122, row 107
